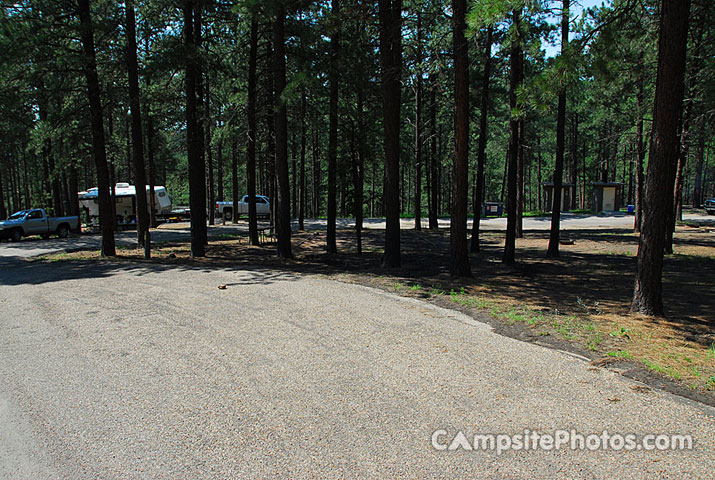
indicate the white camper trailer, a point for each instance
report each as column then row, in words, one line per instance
column 125, row 202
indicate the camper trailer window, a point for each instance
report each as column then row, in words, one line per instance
column 162, row 194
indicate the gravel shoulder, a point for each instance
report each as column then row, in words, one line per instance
column 147, row 371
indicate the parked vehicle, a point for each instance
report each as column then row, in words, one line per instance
column 125, row 203
column 36, row 222
column 225, row 209
column 710, row 206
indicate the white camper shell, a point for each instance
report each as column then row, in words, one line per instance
column 125, row 201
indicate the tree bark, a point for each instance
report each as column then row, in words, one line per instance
column 482, row 145
column 434, row 160
column 333, row 128
column 699, row 161
column 672, row 42
column 515, row 76
column 3, row 208
column 150, row 148
column 640, row 158
column 137, row 137
column 219, row 164
column 234, row 182
column 459, row 265
column 106, row 219
column 358, row 172
column 553, row 250
column 302, row 194
column 390, row 16
column 54, row 182
column 197, row 168
column 418, row 128
column 208, row 122
column 200, row 117
column 538, row 174
column 520, row 179
column 574, row 160
column 282, row 223
column 251, row 147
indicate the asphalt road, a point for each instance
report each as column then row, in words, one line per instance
column 34, row 246
column 147, row 371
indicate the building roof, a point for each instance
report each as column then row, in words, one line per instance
column 551, row 184
column 607, row 184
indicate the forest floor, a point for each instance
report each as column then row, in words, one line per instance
column 578, row 303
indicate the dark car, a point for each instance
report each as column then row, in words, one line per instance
column 710, row 206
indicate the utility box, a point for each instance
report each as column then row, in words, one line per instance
column 492, row 209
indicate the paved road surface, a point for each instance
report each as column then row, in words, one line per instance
column 34, row 246
column 129, row 371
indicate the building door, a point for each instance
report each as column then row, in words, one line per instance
column 609, row 199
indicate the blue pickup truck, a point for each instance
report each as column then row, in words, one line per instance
column 36, row 222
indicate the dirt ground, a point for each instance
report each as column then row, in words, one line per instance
column 579, row 302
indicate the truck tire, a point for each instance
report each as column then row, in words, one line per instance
column 16, row 235
column 63, row 231
column 228, row 214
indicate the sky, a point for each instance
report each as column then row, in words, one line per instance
column 577, row 8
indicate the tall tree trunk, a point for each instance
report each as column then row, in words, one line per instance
column 197, row 169
column 294, row 175
column 672, row 42
column 219, row 163
column 137, row 137
column 538, row 173
column 54, row 182
column 209, row 155
column 73, row 189
column 630, row 175
column 574, row 160
column 678, row 167
column 251, row 147
column 434, row 160
column 302, row 195
column 106, row 219
column 418, row 128
column 520, row 179
column 333, row 128
column 234, row 182
column 482, row 145
column 3, row 208
column 553, row 250
column 515, row 76
column 459, row 265
column 201, row 119
column 699, row 160
column 150, row 148
column 677, row 213
column 219, row 170
column 583, row 174
column 316, row 190
column 358, row 172
column 640, row 158
column 390, row 13
column 283, row 227
column 28, row 184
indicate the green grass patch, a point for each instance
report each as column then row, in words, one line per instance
column 536, row 213
column 656, row 367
